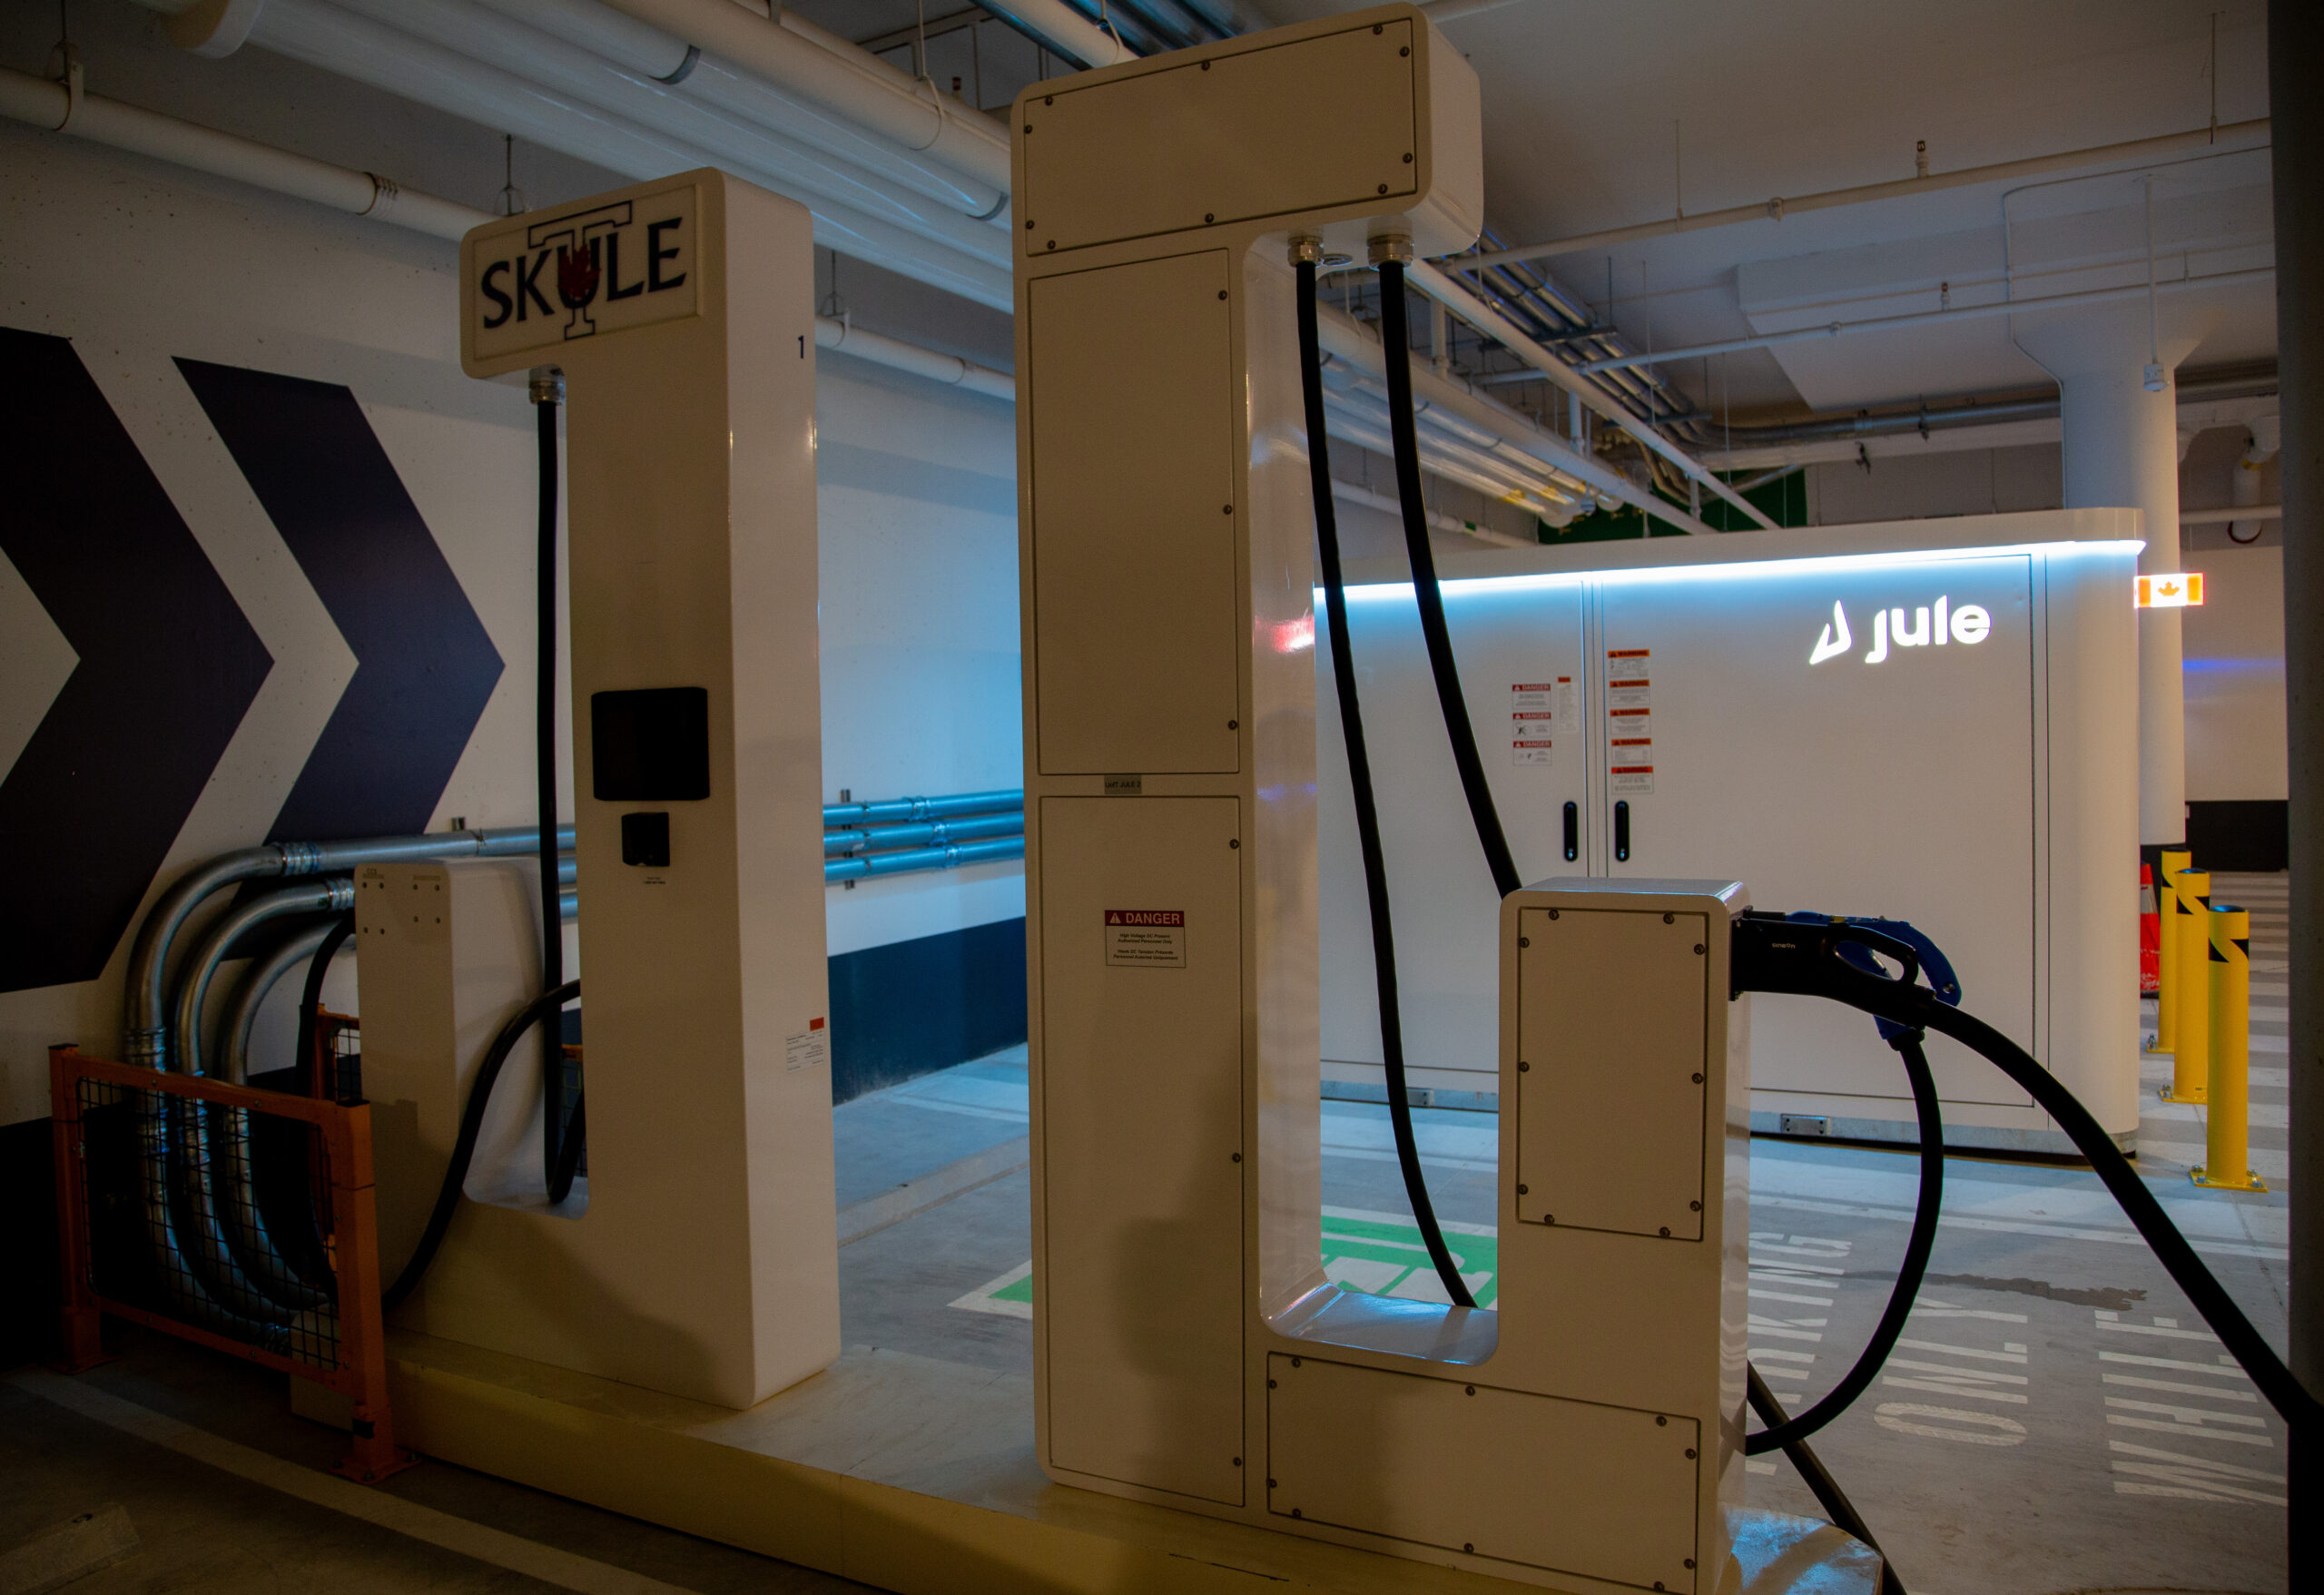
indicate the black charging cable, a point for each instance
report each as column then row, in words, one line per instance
column 1367, row 813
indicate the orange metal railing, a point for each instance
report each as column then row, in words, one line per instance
column 140, row 1237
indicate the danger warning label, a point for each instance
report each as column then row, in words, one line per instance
column 1151, row 937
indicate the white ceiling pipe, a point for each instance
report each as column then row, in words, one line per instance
column 43, row 104
column 1346, row 340
column 803, row 172
column 338, row 41
column 649, row 52
column 912, row 116
column 845, row 338
column 1458, row 300
column 1349, row 493
column 1063, row 30
column 1521, row 475
column 110, row 122
column 2005, row 307
column 1352, row 425
column 2234, row 135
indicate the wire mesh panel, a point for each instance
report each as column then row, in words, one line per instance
column 240, row 1218
column 338, row 1066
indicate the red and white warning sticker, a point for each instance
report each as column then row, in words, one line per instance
column 1147, row 938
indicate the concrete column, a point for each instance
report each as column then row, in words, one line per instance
column 2122, row 447
column 2295, row 44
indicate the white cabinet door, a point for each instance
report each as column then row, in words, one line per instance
column 1851, row 739
column 1519, row 649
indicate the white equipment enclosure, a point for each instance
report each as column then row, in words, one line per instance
column 697, row 1256
column 1189, row 1349
column 1939, row 725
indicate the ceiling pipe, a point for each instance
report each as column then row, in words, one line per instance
column 2236, row 135
column 866, row 92
column 2005, row 307
column 805, row 173
column 354, row 46
column 1498, row 327
column 663, row 58
column 52, row 106
column 1062, row 31
column 1349, row 493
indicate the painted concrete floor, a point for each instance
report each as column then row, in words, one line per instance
column 2056, row 1419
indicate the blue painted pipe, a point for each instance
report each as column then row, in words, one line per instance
column 928, row 834
column 923, row 858
column 924, row 808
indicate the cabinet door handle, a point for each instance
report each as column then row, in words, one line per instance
column 1622, row 832
column 1573, row 831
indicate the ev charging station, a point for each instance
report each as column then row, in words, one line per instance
column 1207, row 1404
column 1189, row 1349
column 697, row 1255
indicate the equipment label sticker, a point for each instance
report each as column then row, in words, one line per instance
column 1534, row 709
column 811, row 1045
column 1150, row 938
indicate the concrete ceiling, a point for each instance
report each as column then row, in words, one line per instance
column 1601, row 115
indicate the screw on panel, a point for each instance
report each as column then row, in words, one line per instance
column 1408, row 157
column 1523, row 1190
column 1052, row 243
column 1233, row 841
column 1548, row 1218
column 1227, row 509
column 1695, row 1207
column 1666, row 1232
column 1236, row 1156
column 1239, row 1461
column 1698, row 1080
column 1384, row 188
column 1690, row 1561
column 1028, row 127
column 1270, row 1387
column 1698, row 950
column 1523, row 1067
column 1659, row 1420
column 1206, row 66
column 1379, row 28
column 1029, row 226
column 1472, row 1389
column 1670, row 919
column 1553, row 913
column 1222, row 294
column 1234, row 725
column 1295, row 1512
column 1524, row 941
column 1270, row 1483
column 1048, row 99
column 1294, row 1362
column 1690, row 1457
column 1469, row 1546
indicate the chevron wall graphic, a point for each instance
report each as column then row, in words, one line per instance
column 166, row 663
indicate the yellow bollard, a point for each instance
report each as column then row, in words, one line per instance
column 2191, row 982
column 2227, row 1134
column 2166, row 908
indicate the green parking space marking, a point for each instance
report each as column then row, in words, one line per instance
column 1378, row 1254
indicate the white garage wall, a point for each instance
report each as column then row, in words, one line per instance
column 139, row 264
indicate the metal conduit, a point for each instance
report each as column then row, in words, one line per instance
column 926, row 858
column 924, row 808
column 885, row 838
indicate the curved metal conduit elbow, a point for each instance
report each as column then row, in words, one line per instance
column 231, row 1256
column 146, row 1040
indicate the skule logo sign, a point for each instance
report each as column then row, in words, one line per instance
column 602, row 258
column 1920, row 626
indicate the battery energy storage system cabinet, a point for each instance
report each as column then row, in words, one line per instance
column 1938, row 725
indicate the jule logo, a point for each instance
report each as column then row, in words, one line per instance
column 587, row 251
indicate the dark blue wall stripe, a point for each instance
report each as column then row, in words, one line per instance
column 912, row 1008
column 168, row 667
column 424, row 667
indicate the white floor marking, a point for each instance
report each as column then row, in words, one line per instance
column 426, row 1525
column 980, row 1300
column 2212, row 1391
column 2010, row 1352
column 2227, row 1369
column 2193, row 1477
column 1986, row 1428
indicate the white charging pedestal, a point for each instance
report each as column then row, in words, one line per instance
column 1189, row 1350
column 698, row 1256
